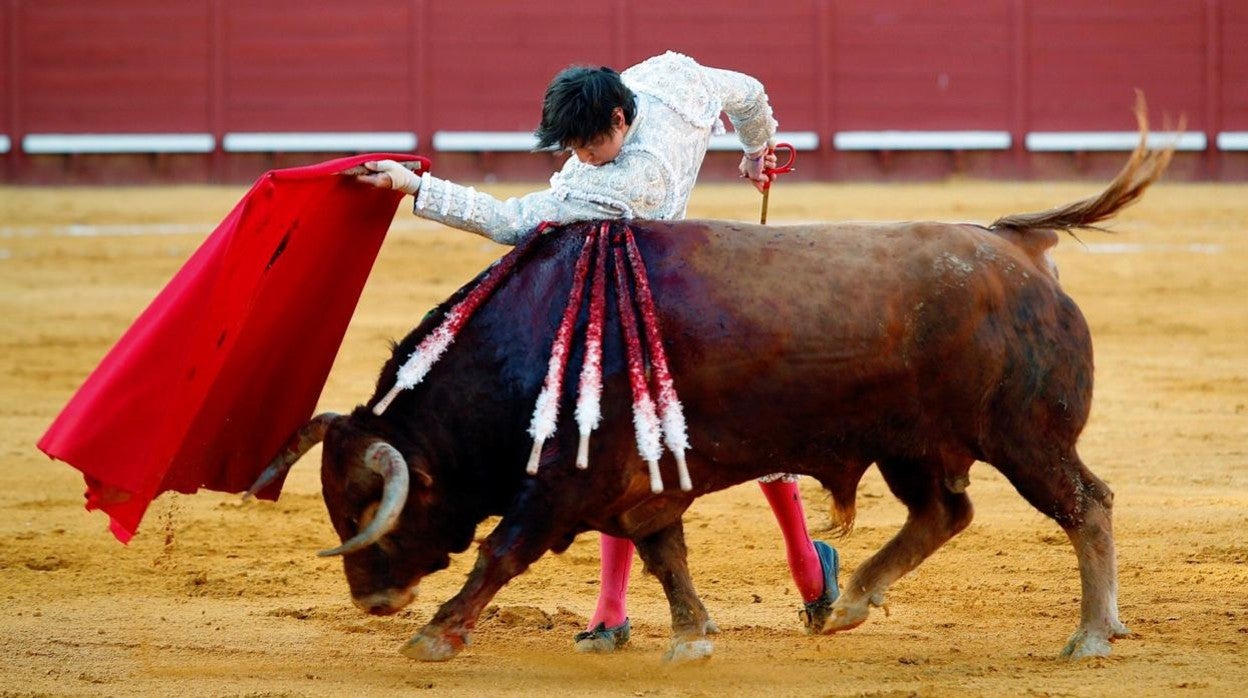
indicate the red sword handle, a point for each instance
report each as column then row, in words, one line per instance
column 774, row 172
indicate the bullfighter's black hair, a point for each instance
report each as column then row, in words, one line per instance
column 578, row 106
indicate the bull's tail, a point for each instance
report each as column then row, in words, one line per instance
column 1143, row 168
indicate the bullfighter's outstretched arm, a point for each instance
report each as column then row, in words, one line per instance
column 635, row 185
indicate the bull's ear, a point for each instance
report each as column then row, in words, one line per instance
column 420, row 474
column 421, row 477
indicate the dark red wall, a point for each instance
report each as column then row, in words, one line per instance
column 293, row 65
column 922, row 65
column 221, row 66
column 87, row 66
column 1084, row 57
column 1229, row 96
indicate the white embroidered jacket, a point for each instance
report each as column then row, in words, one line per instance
column 678, row 108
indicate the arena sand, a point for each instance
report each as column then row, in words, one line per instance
column 220, row 597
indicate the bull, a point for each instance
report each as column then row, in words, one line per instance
column 814, row 349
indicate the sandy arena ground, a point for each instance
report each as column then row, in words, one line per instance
column 219, row 597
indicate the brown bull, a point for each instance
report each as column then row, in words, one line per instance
column 814, row 349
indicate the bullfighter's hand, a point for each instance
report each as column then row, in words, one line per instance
column 754, row 167
column 388, row 174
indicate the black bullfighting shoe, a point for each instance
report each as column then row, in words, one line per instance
column 817, row 611
column 604, row 639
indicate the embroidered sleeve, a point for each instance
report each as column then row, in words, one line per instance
column 635, row 185
column 503, row 221
column 746, row 104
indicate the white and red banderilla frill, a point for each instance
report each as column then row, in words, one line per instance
column 658, row 417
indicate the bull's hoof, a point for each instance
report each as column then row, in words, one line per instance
column 602, row 639
column 683, row 651
column 840, row 619
column 427, row 647
column 1085, row 644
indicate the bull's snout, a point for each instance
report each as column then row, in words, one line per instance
column 386, row 602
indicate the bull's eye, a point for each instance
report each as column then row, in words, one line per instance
column 366, row 516
column 388, row 547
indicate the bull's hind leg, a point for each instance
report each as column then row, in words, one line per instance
column 665, row 556
column 1082, row 505
column 937, row 513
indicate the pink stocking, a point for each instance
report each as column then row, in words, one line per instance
column 616, row 564
column 786, row 504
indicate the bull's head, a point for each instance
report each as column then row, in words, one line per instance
column 384, row 507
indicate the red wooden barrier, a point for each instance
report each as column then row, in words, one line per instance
column 981, row 77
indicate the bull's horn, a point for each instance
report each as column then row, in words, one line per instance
column 309, row 435
column 386, row 461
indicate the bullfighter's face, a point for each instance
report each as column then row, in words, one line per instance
column 606, row 147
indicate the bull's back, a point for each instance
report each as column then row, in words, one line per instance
column 839, row 294
column 842, row 330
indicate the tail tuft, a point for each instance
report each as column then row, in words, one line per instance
column 1143, row 168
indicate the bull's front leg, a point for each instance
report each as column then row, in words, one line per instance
column 665, row 556
column 521, row 537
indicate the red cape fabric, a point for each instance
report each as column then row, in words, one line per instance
column 229, row 360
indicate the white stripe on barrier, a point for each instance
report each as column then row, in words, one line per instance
column 484, row 141
column 1072, row 141
column 1233, row 140
column 316, row 142
column 801, row 140
column 921, row 140
column 74, row 143
column 471, row 141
